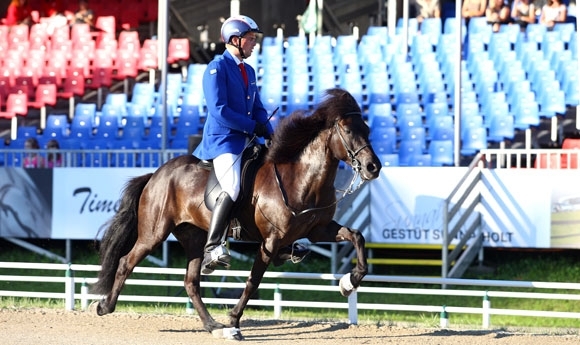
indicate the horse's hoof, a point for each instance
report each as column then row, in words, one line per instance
column 230, row 333
column 346, row 287
column 101, row 308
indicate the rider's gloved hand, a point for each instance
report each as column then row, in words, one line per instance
column 261, row 130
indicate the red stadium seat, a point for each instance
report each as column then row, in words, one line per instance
column 178, row 50
column 16, row 104
column 45, row 95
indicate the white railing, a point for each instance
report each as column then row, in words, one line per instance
column 71, row 278
column 531, row 158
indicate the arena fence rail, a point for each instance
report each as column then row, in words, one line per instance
column 75, row 289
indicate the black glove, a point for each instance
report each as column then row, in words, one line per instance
column 261, row 130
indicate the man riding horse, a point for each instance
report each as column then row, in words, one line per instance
column 236, row 116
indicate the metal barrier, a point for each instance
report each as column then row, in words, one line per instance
column 94, row 158
column 71, row 279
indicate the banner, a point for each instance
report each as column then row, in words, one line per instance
column 85, row 199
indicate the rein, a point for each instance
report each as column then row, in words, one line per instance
column 355, row 163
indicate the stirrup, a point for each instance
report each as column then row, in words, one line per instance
column 219, row 256
column 295, row 253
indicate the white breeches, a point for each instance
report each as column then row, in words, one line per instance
column 228, row 168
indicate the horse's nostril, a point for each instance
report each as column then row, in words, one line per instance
column 372, row 167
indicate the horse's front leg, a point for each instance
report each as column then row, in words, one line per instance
column 263, row 259
column 335, row 232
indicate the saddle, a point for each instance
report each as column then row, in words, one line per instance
column 252, row 159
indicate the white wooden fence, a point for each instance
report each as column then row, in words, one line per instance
column 70, row 277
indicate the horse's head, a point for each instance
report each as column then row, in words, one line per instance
column 351, row 145
column 350, row 137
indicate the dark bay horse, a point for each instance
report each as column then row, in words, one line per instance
column 293, row 198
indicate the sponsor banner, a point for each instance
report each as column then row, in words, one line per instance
column 85, row 199
column 407, row 204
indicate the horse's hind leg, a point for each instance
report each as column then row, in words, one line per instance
column 193, row 240
column 126, row 265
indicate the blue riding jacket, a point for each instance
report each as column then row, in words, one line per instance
column 233, row 110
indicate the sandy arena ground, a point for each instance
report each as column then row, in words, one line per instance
column 49, row 326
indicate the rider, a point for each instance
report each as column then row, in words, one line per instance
column 235, row 116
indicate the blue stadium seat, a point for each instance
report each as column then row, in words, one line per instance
column 57, row 125
column 421, row 160
column 436, row 109
column 378, row 121
column 25, row 132
column 501, row 128
column 407, row 109
column 378, row 109
column 535, row 32
column 134, row 128
column 526, row 114
column 119, row 99
column 384, row 139
column 108, row 127
column 415, row 133
column 389, row 159
column 432, row 27
column 441, row 152
column 552, row 103
column 378, row 88
column 187, row 124
column 473, row 139
column 408, row 148
column 566, row 31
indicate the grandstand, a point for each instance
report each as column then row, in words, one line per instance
column 98, row 90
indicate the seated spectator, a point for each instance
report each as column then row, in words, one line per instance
column 497, row 13
column 54, row 159
column 18, row 12
column 473, row 8
column 524, row 13
column 84, row 15
column 422, row 9
column 32, row 159
column 53, row 15
column 554, row 11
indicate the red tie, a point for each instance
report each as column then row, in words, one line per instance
column 244, row 74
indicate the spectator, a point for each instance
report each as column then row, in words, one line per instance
column 473, row 8
column 422, row 9
column 553, row 12
column 84, row 15
column 18, row 12
column 54, row 159
column 524, row 13
column 32, row 159
column 53, row 15
column 497, row 13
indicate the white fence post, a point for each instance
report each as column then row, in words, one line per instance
column 352, row 308
column 69, row 289
column 444, row 320
column 84, row 295
column 486, row 313
column 189, row 306
column 277, row 303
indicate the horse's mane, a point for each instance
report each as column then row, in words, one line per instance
column 297, row 130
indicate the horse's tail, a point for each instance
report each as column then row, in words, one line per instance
column 120, row 234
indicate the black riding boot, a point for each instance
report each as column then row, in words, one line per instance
column 215, row 254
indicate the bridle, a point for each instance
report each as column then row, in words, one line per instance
column 355, row 163
column 356, row 166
